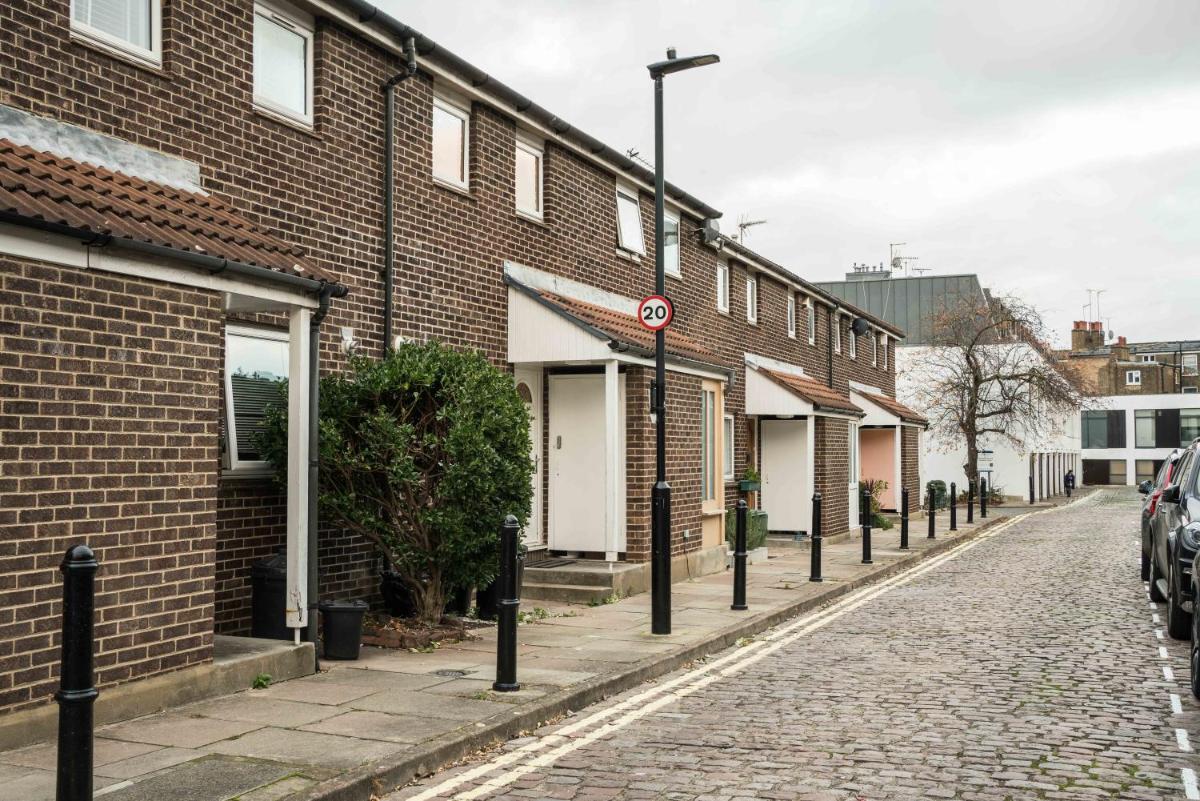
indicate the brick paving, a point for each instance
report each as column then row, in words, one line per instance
column 1029, row 667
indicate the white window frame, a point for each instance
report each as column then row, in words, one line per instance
column 1190, row 364
column 811, row 322
column 752, row 299
column 1147, row 357
column 674, row 270
column 874, row 352
column 458, row 110
column 538, row 153
column 1133, row 378
column 723, row 284
column 837, row 332
column 791, row 314
column 234, row 464
column 883, row 341
column 625, row 243
column 728, row 454
column 304, row 26
column 120, row 47
column 852, row 344
column 709, row 453
column 852, row 453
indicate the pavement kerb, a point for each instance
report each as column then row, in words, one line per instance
column 382, row 777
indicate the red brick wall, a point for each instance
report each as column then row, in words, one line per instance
column 910, row 468
column 108, row 436
column 833, row 473
column 253, row 526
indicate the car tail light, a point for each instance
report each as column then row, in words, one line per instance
column 1154, row 502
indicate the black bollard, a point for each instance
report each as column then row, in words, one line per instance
column 76, row 695
column 1031, row 489
column 970, row 501
column 815, row 545
column 953, row 506
column 932, row 515
column 864, row 505
column 506, row 609
column 904, row 519
column 982, row 498
column 739, row 560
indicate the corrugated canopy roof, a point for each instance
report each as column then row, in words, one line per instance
column 38, row 187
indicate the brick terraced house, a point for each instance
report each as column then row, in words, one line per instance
column 188, row 188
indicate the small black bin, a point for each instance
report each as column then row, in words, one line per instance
column 342, row 628
column 268, row 598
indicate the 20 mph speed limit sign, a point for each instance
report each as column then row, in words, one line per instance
column 655, row 313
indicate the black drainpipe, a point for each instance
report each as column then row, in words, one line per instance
column 389, row 211
column 314, row 445
column 832, row 323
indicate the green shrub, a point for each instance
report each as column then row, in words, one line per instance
column 422, row 454
column 756, row 528
column 876, row 486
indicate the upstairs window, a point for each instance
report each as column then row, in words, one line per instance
column 256, row 365
column 752, row 300
column 883, row 346
column 671, row 244
column 529, row 179
column 131, row 27
column 283, row 63
column 629, row 221
column 1147, row 357
column 874, row 352
column 1133, row 378
column 811, row 318
column 791, row 315
column 837, row 331
column 1103, row 429
column 852, row 341
column 1189, row 363
column 723, row 287
column 451, row 134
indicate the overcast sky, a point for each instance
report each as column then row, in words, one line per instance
column 1050, row 147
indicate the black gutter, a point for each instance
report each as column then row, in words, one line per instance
column 213, row 264
column 389, row 209
column 430, row 49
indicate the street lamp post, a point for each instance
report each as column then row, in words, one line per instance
column 660, row 520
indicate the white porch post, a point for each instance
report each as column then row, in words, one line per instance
column 297, row 469
column 612, row 451
column 810, row 470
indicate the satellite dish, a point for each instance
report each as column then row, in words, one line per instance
column 860, row 326
column 711, row 232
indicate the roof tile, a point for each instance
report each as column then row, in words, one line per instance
column 43, row 187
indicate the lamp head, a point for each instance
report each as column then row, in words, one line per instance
column 673, row 64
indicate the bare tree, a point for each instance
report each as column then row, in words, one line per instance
column 988, row 372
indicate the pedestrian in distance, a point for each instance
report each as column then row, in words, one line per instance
column 1069, row 482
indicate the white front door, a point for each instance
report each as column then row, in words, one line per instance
column 529, row 387
column 786, row 497
column 577, row 439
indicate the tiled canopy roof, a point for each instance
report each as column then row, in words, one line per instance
column 816, row 393
column 38, row 187
column 895, row 407
column 626, row 329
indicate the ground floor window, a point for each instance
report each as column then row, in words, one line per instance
column 708, row 444
column 727, row 442
column 1145, row 470
column 256, row 365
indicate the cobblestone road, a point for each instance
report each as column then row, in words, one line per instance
column 1027, row 666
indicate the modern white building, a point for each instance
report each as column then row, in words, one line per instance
column 1126, row 437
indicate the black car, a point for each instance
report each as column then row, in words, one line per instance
column 1152, row 489
column 1174, row 544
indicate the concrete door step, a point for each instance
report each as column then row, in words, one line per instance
column 564, row 593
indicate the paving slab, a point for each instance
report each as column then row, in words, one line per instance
column 332, row 693
column 425, row 705
column 104, row 751
column 250, row 707
column 210, row 779
column 304, row 747
column 180, row 731
column 382, row 726
column 147, row 763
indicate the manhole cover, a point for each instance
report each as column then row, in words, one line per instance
column 450, row 674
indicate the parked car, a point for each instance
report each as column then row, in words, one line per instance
column 1152, row 489
column 1174, row 543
